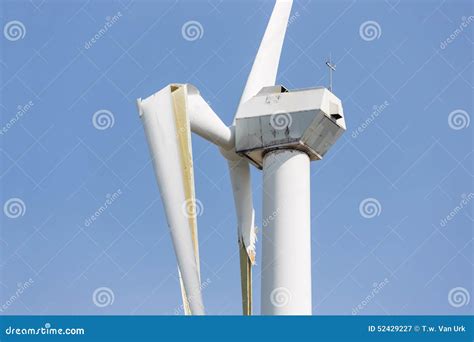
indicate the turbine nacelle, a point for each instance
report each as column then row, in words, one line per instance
column 310, row 120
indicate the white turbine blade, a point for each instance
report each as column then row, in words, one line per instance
column 205, row 122
column 245, row 281
column 265, row 66
column 242, row 190
column 184, row 298
column 167, row 128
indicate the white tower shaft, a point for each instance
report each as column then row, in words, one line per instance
column 286, row 264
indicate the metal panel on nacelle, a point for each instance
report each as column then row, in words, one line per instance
column 309, row 120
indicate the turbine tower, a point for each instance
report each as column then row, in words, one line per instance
column 276, row 130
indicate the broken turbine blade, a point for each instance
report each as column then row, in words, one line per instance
column 167, row 128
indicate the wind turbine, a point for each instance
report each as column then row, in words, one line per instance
column 274, row 129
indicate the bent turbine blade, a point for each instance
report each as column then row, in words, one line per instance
column 167, row 128
column 239, row 171
column 242, row 190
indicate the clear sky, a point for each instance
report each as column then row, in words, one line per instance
column 407, row 95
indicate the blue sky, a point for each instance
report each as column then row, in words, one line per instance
column 413, row 156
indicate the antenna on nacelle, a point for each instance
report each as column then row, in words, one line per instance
column 332, row 67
